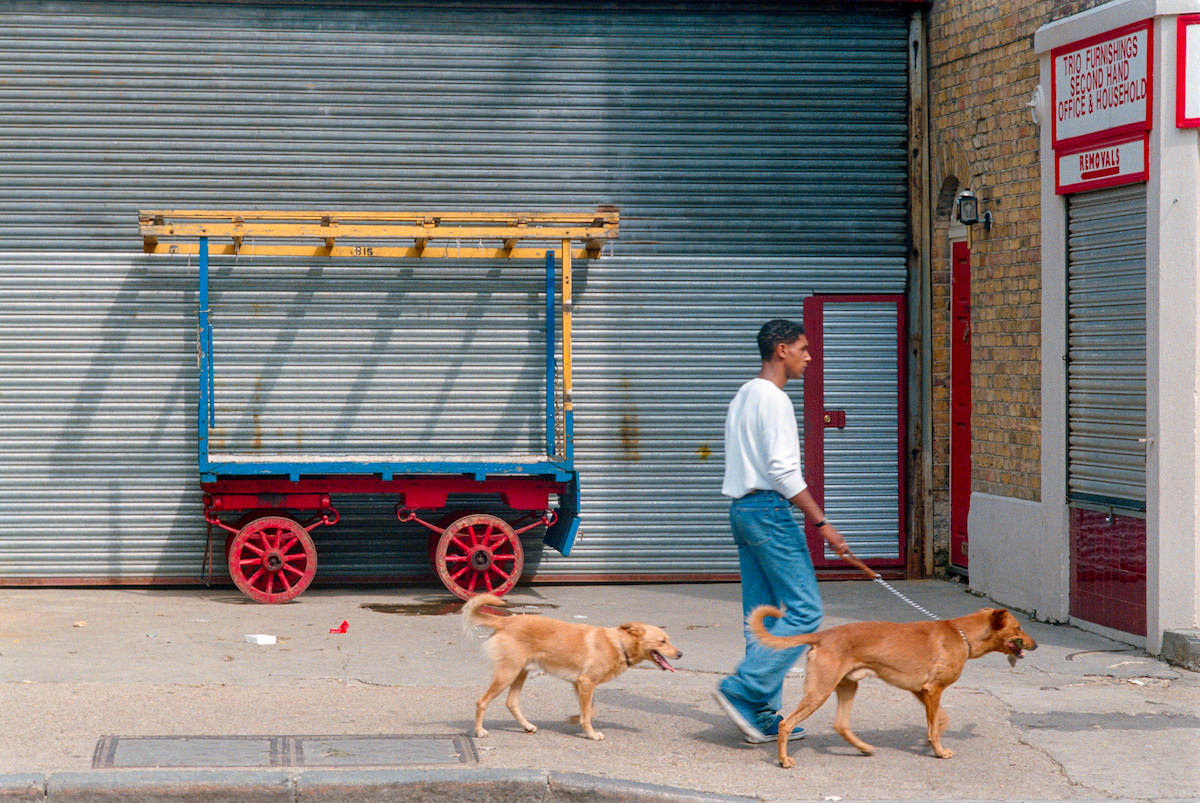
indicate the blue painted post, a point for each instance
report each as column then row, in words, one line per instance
column 569, row 433
column 205, row 414
column 550, row 363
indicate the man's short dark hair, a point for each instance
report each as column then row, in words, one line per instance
column 775, row 332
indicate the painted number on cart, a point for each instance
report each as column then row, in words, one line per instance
column 363, row 251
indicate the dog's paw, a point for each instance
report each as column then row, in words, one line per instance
column 531, row 728
column 786, row 762
column 480, row 733
column 944, row 753
column 596, row 736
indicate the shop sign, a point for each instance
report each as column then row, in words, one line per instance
column 1187, row 81
column 1101, row 86
column 1093, row 167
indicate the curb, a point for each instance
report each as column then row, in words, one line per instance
column 1182, row 647
column 319, row 786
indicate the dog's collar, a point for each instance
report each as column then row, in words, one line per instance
column 628, row 663
column 964, row 638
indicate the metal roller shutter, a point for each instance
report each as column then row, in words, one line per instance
column 1106, row 347
column 863, row 379
column 758, row 156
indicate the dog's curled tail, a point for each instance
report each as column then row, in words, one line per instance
column 472, row 616
column 766, row 638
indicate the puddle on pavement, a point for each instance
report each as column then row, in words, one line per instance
column 445, row 607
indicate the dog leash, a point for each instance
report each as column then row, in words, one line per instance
column 853, row 560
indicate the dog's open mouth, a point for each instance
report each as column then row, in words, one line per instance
column 1016, row 651
column 662, row 662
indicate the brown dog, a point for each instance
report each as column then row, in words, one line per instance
column 584, row 655
column 922, row 657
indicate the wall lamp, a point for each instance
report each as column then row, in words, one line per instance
column 968, row 208
column 968, row 211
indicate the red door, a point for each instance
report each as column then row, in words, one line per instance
column 960, row 401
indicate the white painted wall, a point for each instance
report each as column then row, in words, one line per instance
column 1017, row 559
column 1173, row 314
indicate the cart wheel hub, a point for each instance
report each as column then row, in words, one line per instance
column 272, row 561
column 481, row 559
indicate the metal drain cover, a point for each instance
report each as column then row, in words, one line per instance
column 391, row 750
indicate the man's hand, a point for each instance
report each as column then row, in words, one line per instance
column 831, row 534
column 813, row 513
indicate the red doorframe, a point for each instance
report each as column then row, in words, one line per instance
column 817, row 419
column 960, row 401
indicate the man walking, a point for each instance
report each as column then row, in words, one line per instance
column 762, row 475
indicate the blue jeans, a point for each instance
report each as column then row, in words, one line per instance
column 776, row 570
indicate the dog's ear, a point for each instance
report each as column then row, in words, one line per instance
column 634, row 629
column 999, row 618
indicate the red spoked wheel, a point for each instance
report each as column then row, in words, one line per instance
column 479, row 554
column 239, row 524
column 272, row 559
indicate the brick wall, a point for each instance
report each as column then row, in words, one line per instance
column 982, row 73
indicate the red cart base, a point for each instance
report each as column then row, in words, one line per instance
column 272, row 558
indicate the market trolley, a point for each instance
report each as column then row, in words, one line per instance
column 269, row 505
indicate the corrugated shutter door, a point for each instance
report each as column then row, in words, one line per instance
column 1106, row 349
column 758, row 156
column 861, row 378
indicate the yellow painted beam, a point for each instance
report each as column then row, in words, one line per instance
column 567, row 307
column 252, row 249
column 606, row 214
column 374, row 233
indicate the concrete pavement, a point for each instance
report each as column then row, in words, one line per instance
column 1082, row 718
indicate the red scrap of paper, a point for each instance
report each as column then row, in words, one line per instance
column 342, row 628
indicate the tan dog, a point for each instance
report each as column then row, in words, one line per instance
column 922, row 657
column 584, row 655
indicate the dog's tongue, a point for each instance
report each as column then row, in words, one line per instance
column 662, row 662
